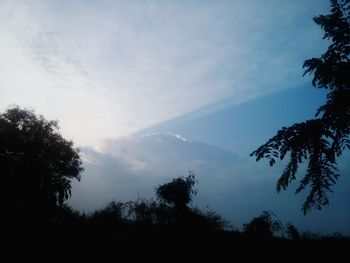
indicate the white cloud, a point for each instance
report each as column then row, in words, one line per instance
column 178, row 136
column 108, row 68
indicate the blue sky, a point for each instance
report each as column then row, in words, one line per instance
column 240, row 128
column 224, row 73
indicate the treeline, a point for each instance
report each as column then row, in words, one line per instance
column 149, row 220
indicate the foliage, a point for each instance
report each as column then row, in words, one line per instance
column 321, row 140
column 293, row 232
column 108, row 218
column 179, row 192
column 263, row 226
column 113, row 210
column 206, row 220
column 148, row 212
column 37, row 163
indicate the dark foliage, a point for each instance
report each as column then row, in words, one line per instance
column 179, row 192
column 321, row 140
column 37, row 166
column 293, row 232
column 262, row 227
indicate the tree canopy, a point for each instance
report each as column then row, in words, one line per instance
column 178, row 192
column 263, row 226
column 322, row 139
column 37, row 163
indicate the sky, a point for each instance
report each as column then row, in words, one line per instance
column 225, row 74
column 106, row 69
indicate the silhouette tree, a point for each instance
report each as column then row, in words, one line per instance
column 322, row 139
column 37, row 166
column 189, row 221
column 262, row 227
column 108, row 218
column 179, row 192
column 143, row 212
column 293, row 232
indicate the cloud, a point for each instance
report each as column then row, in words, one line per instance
column 178, row 136
column 108, row 68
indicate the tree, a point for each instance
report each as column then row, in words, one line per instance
column 262, row 227
column 178, row 192
column 188, row 221
column 321, row 140
column 37, row 165
column 293, row 232
column 109, row 217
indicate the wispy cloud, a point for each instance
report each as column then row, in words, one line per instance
column 108, row 68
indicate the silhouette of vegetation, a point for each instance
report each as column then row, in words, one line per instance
column 109, row 215
column 145, row 221
column 150, row 220
column 177, row 195
column 262, row 227
column 37, row 166
column 323, row 139
column 179, row 192
column 293, row 232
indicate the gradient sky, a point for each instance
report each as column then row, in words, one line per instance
column 109, row 68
